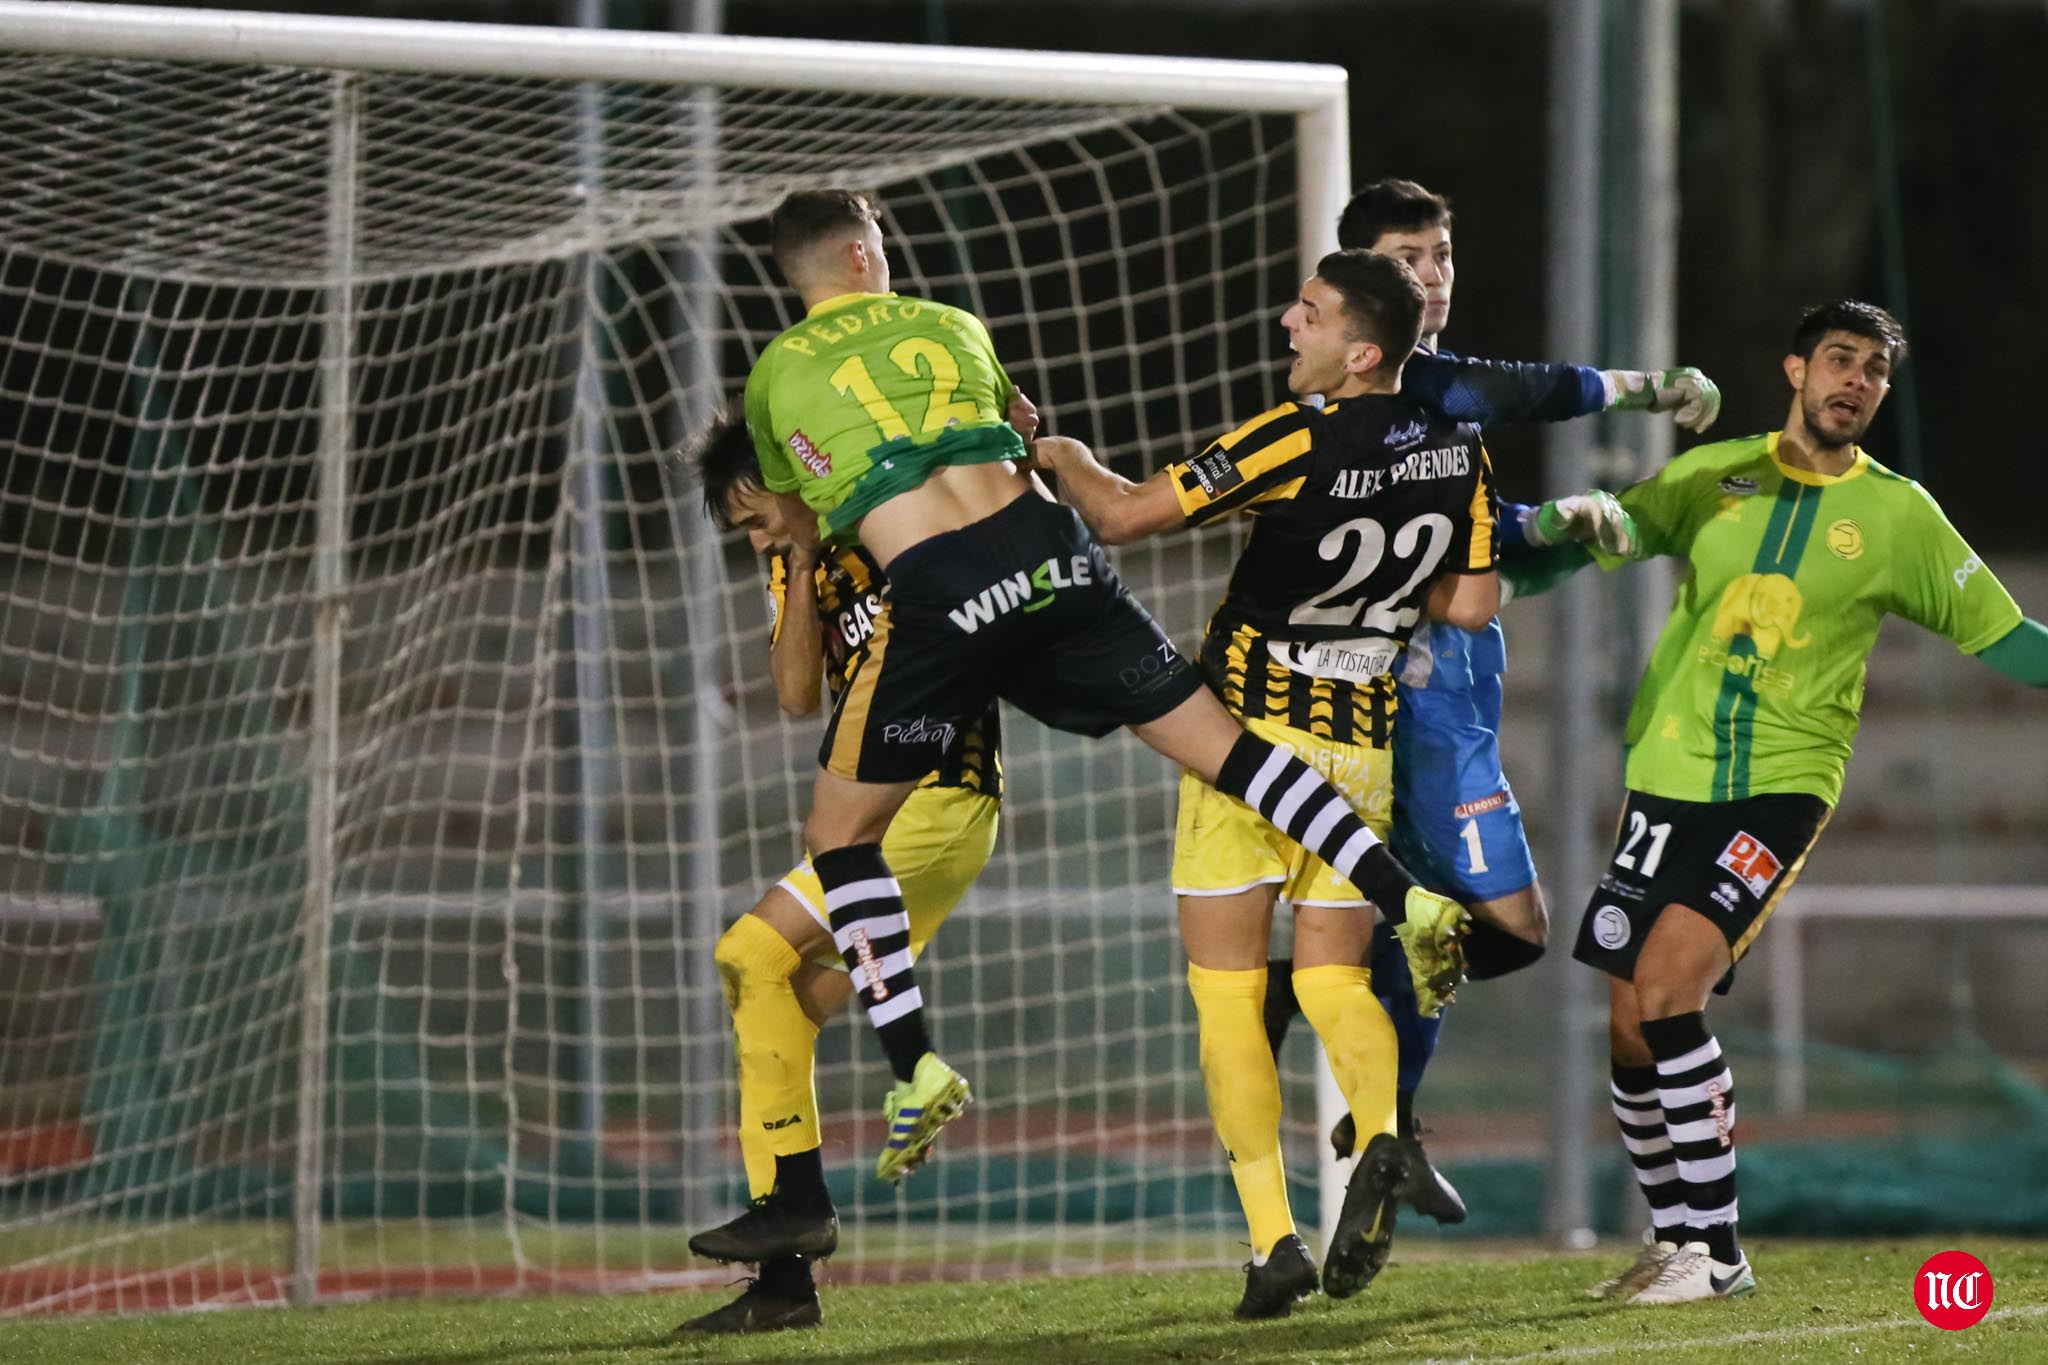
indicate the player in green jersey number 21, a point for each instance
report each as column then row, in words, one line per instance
column 1797, row 545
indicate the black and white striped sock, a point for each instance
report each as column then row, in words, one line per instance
column 1697, row 1094
column 1308, row 810
column 1632, row 1090
column 872, row 933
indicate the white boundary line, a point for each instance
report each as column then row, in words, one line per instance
column 1638, row 1347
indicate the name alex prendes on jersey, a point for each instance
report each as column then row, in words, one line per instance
column 1442, row 462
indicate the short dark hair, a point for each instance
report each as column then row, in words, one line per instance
column 806, row 217
column 1852, row 316
column 725, row 463
column 1382, row 299
column 1390, row 206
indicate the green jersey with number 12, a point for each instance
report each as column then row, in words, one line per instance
column 867, row 395
column 1756, row 684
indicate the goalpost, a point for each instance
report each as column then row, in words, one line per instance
column 386, row 735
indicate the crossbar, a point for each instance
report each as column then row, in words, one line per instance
column 141, row 33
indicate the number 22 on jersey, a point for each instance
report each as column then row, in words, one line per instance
column 852, row 379
column 1386, row 615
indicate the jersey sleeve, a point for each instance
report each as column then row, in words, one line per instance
column 1263, row 460
column 1667, row 509
column 1495, row 391
column 1939, row 582
column 778, row 475
column 1476, row 546
column 978, row 330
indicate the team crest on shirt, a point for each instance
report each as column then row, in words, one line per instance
column 1749, row 860
column 819, row 462
column 1845, row 540
column 1400, row 438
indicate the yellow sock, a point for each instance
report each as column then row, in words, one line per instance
column 1359, row 1040
column 1244, row 1095
column 777, row 1047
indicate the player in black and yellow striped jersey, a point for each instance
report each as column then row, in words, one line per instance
column 782, row 972
column 847, row 588
column 1367, row 512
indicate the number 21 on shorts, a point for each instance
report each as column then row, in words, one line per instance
column 1638, row 826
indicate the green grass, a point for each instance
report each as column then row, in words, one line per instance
column 1817, row 1302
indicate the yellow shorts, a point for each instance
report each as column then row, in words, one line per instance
column 937, row 845
column 1222, row 846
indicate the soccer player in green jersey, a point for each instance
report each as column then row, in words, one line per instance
column 885, row 417
column 1796, row 544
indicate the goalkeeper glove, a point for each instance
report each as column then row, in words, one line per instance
column 1689, row 396
column 1595, row 518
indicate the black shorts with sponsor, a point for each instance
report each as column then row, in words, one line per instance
column 1021, row 605
column 1728, row 860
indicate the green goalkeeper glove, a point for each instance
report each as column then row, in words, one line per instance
column 1689, row 396
column 1595, row 518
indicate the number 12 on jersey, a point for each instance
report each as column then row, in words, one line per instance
column 914, row 357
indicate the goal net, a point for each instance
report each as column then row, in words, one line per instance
column 385, row 737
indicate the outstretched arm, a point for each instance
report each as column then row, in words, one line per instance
column 2021, row 654
column 1491, row 392
column 1117, row 510
column 1552, row 539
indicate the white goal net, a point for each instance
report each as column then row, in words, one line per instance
column 384, row 735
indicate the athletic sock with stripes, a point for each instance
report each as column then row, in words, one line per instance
column 1300, row 804
column 1632, row 1090
column 872, row 932
column 1697, row 1095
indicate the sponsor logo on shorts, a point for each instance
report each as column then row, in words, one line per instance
column 1031, row 589
column 1400, row 438
column 1159, row 662
column 1748, row 859
column 1610, row 926
column 1738, row 485
column 1724, row 896
column 773, row 1124
column 864, row 951
column 1615, row 886
column 922, row 730
column 1481, row 806
column 819, row 462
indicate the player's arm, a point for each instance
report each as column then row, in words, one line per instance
column 2021, row 653
column 1116, row 510
column 796, row 641
column 1491, row 392
column 1547, row 543
column 1941, row 583
column 1466, row 592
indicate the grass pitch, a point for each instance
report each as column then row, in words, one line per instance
column 1816, row 1302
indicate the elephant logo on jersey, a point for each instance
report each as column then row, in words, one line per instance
column 1765, row 607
